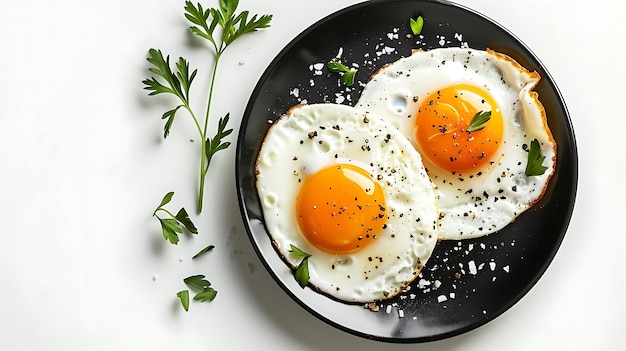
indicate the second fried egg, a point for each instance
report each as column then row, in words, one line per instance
column 433, row 97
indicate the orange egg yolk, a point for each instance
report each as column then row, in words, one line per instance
column 341, row 209
column 442, row 123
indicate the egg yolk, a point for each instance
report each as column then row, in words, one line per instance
column 341, row 209
column 442, row 128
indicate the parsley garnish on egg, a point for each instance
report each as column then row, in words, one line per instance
column 479, row 121
column 535, row 166
column 302, row 272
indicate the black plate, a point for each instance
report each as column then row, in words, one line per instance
column 472, row 281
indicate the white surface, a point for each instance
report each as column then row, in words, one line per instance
column 84, row 165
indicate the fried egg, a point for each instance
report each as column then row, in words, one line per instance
column 432, row 97
column 351, row 191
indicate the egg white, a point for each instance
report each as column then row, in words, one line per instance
column 484, row 201
column 311, row 137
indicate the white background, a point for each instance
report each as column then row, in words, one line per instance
column 83, row 165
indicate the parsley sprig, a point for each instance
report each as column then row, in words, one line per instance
column 479, row 121
column 535, row 166
column 171, row 226
column 178, row 81
column 347, row 74
column 302, row 271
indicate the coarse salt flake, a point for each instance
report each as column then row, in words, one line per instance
column 339, row 98
column 339, row 53
column 472, row 267
column 385, row 50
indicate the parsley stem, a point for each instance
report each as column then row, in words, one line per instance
column 202, row 176
column 205, row 162
column 208, row 107
column 164, row 210
column 193, row 115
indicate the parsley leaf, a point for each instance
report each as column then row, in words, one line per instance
column 535, row 166
column 214, row 145
column 183, row 296
column 205, row 292
column 297, row 252
column 479, row 120
column 166, row 199
column 348, row 77
column 347, row 74
column 170, row 229
column 171, row 226
column 233, row 26
column 203, row 251
column 183, row 218
column 197, row 282
column 177, row 81
column 416, row 25
column 302, row 271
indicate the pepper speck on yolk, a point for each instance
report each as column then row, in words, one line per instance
column 441, row 130
column 341, row 209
